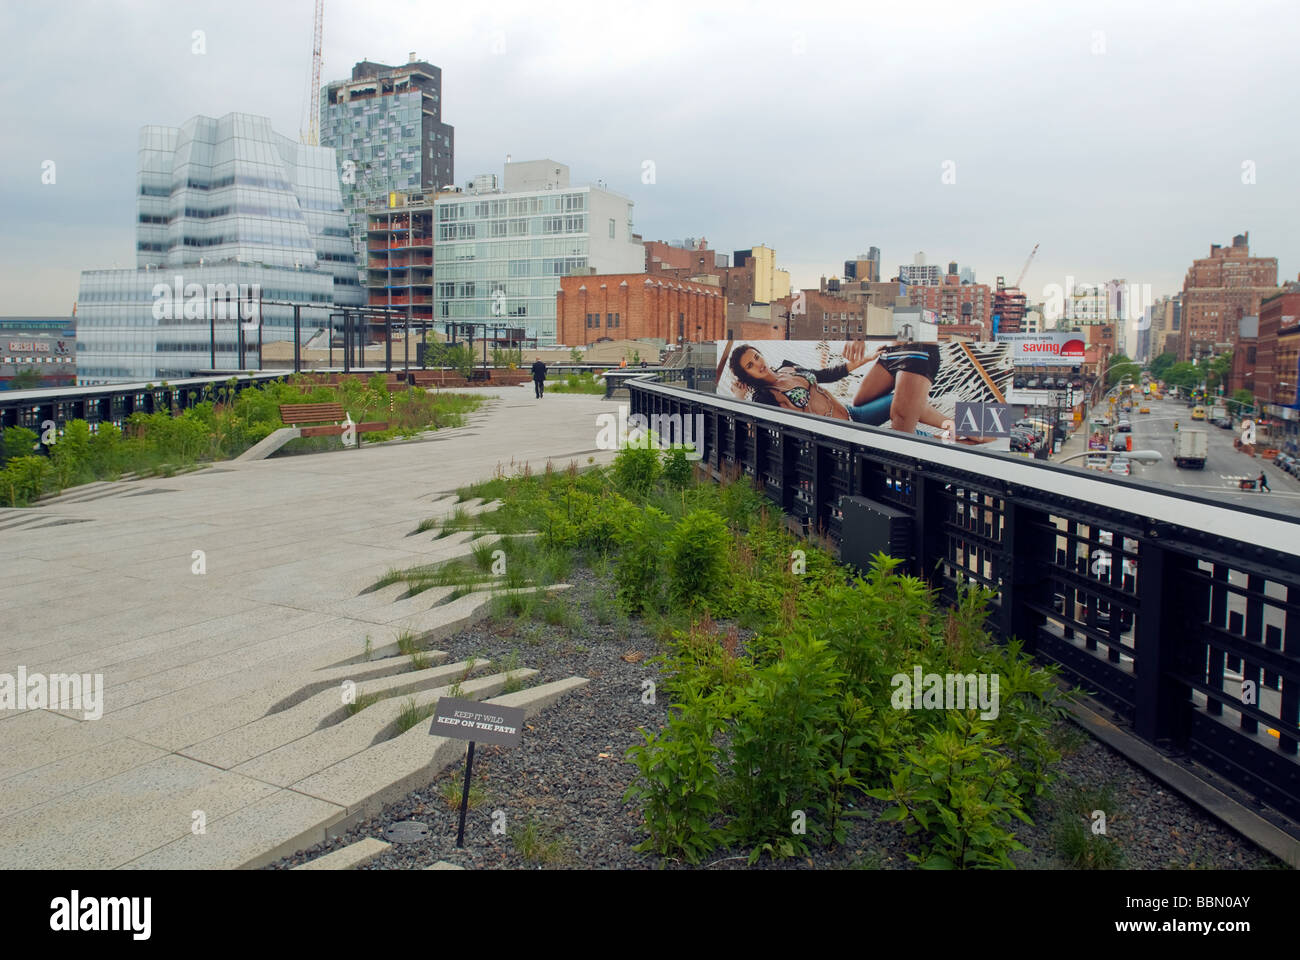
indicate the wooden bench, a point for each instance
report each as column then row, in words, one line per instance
column 324, row 419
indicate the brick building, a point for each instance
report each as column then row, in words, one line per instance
column 886, row 294
column 824, row 317
column 637, row 306
column 955, row 302
column 694, row 261
column 1276, row 367
column 694, row 256
column 1221, row 289
column 1245, row 355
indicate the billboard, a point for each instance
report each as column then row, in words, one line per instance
column 911, row 387
column 1055, row 348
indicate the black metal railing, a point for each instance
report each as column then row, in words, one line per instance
column 116, row 402
column 1179, row 613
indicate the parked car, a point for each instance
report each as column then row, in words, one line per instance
column 1124, row 427
column 1224, row 423
column 1119, row 443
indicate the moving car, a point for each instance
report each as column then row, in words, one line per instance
column 1124, row 427
column 1144, row 410
column 1121, row 466
column 1198, row 413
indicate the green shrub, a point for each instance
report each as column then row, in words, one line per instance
column 25, row 479
column 106, row 451
column 677, row 469
column 679, row 779
column 636, row 470
column 639, row 564
column 786, row 723
column 959, row 792
column 70, row 457
column 18, row 442
column 697, row 553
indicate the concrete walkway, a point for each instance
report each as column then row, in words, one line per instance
column 220, row 607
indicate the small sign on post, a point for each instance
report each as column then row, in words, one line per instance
column 474, row 721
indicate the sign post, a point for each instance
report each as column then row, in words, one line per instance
column 473, row 721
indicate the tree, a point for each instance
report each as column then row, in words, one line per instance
column 28, row 379
column 575, row 355
column 1185, row 376
column 1161, row 364
column 1245, row 398
column 1120, row 366
column 1218, row 370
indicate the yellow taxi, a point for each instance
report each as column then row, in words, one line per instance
column 1144, row 410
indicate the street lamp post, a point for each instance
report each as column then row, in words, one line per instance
column 1141, row 456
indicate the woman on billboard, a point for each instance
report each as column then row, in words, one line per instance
column 906, row 369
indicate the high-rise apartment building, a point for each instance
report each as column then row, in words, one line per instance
column 920, row 274
column 500, row 254
column 865, row 268
column 770, row 284
column 1218, row 291
column 226, row 209
column 385, row 125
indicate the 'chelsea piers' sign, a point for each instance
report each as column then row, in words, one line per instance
column 482, row 722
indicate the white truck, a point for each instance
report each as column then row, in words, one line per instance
column 1191, row 448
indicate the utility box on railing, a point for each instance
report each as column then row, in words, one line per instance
column 869, row 528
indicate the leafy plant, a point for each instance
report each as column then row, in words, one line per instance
column 958, row 791
column 785, row 730
column 636, row 469
column 697, row 553
column 677, row 469
column 679, row 781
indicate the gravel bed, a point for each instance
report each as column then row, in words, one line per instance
column 559, row 794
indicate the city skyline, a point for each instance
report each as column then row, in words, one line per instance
column 1141, row 199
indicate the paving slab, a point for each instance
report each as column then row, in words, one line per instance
column 323, row 748
column 350, row 857
column 364, row 783
column 102, row 582
column 253, row 836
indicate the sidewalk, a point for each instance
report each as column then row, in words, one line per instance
column 111, row 585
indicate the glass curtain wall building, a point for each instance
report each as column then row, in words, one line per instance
column 499, row 255
column 227, row 209
column 386, row 125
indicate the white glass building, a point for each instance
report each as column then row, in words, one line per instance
column 226, row 208
column 499, row 255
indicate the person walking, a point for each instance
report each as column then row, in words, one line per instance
column 539, row 376
column 1263, row 483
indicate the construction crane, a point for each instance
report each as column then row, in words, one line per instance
column 1025, row 268
column 312, row 137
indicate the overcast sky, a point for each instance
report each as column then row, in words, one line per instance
column 1113, row 134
